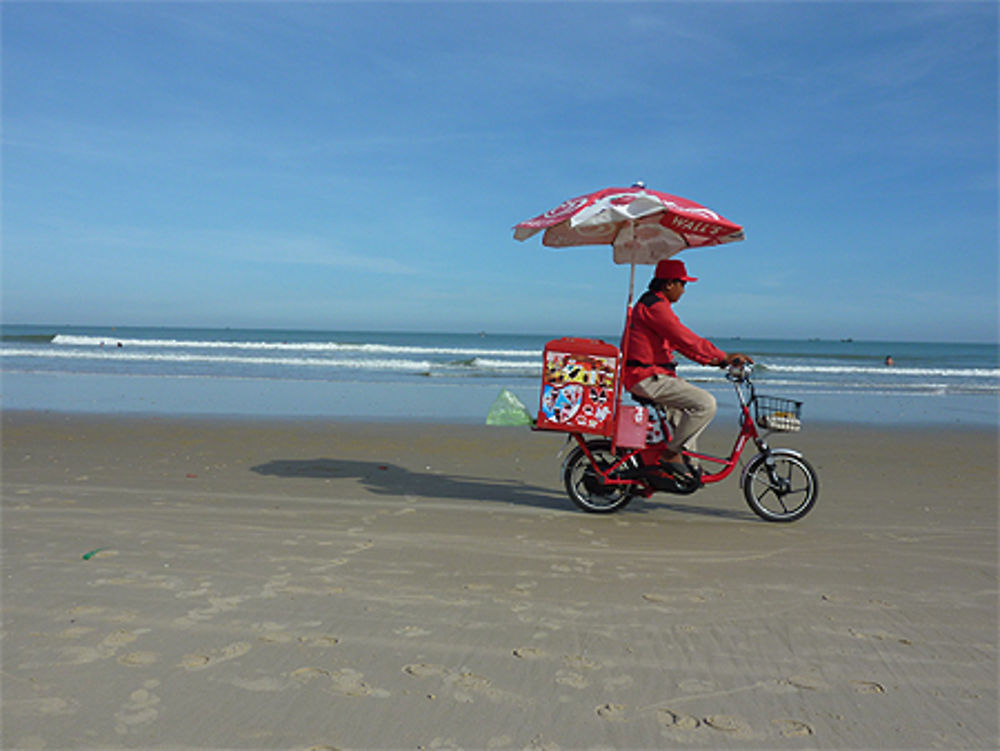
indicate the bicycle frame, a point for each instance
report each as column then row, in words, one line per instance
column 648, row 456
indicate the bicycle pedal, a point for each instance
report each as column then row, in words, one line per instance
column 669, row 483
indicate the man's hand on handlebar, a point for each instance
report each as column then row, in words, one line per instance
column 737, row 359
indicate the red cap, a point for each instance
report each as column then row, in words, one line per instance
column 672, row 269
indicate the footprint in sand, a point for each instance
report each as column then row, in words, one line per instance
column 412, row 631
column 48, row 705
column 612, row 712
column 304, row 675
column 677, row 597
column 349, row 682
column 140, row 709
column 465, row 686
column 345, row 682
column 792, row 728
column 319, row 641
column 580, row 662
column 657, row 598
column 676, row 720
column 424, row 670
column 728, row 724
column 538, row 743
column 360, row 547
column 468, row 684
column 571, row 679
column 81, row 655
column 578, row 566
column 868, row 687
column 86, row 610
column 878, row 636
column 121, row 637
column 276, row 637
column 138, row 659
column 216, row 606
column 202, row 661
column 807, row 683
column 108, row 647
column 194, row 662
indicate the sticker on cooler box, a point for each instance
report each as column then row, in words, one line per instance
column 587, row 370
column 560, row 404
column 568, row 405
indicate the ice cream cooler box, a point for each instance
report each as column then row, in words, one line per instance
column 579, row 386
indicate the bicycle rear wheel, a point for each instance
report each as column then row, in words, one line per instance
column 585, row 486
column 783, row 494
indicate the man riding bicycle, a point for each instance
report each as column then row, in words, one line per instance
column 650, row 371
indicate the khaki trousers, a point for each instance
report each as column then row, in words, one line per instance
column 690, row 409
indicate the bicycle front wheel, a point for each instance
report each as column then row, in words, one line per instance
column 584, row 484
column 783, row 493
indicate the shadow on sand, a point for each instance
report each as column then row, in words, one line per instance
column 390, row 479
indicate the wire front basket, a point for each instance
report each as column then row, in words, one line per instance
column 774, row 413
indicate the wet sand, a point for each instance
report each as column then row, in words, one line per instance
column 183, row 583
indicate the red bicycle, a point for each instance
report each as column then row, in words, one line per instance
column 602, row 475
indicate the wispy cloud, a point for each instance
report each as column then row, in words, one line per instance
column 114, row 243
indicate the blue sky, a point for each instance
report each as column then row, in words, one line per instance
column 361, row 166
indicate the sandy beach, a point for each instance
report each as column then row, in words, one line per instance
column 185, row 583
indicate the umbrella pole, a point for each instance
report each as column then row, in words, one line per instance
column 628, row 321
column 624, row 351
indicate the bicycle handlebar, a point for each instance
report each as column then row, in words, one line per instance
column 739, row 372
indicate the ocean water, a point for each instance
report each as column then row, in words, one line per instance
column 381, row 375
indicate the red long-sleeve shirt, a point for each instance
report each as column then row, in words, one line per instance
column 655, row 333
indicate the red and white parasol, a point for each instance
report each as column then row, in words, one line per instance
column 644, row 226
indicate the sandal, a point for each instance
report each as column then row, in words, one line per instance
column 680, row 470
